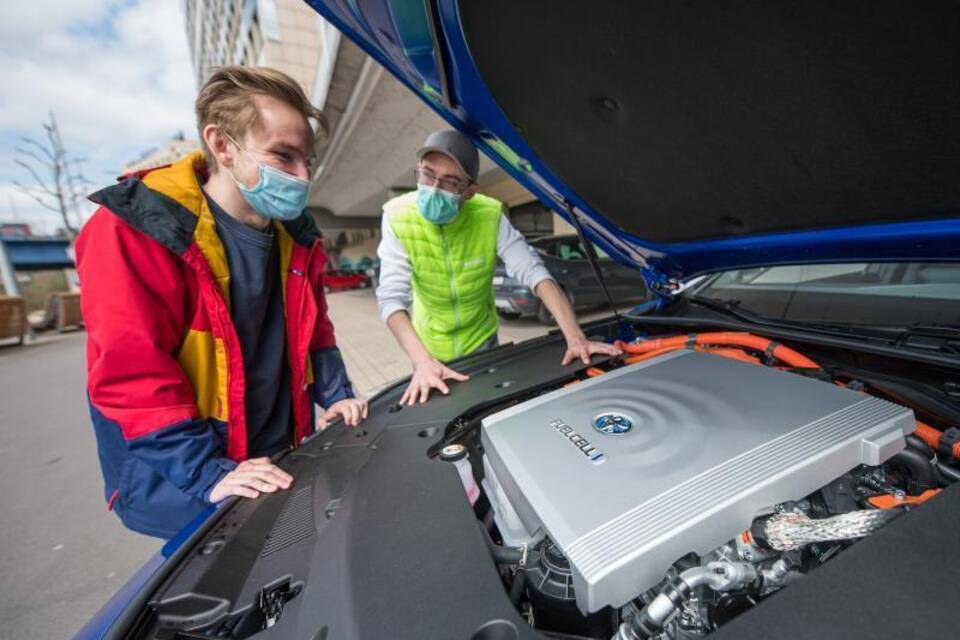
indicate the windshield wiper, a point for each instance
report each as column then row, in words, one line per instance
column 929, row 337
column 727, row 307
column 936, row 337
column 733, row 309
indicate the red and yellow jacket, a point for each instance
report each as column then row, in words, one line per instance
column 165, row 371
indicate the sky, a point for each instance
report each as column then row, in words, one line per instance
column 116, row 73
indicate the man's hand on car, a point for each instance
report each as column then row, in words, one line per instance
column 429, row 373
column 578, row 346
column 250, row 479
column 353, row 411
column 582, row 348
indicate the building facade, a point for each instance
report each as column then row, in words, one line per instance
column 168, row 153
column 284, row 34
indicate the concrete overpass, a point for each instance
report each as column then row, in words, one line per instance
column 31, row 254
column 376, row 126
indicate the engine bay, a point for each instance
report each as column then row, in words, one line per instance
column 629, row 471
column 666, row 494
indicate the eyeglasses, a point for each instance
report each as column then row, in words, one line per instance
column 425, row 176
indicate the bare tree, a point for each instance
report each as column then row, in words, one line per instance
column 59, row 183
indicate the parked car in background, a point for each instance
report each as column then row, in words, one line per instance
column 565, row 258
column 339, row 280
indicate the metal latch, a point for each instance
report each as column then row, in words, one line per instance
column 272, row 600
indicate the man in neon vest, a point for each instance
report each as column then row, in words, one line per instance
column 438, row 254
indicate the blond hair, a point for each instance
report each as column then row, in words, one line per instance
column 226, row 100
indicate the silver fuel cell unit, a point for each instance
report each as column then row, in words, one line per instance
column 629, row 471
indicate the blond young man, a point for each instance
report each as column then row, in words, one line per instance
column 202, row 290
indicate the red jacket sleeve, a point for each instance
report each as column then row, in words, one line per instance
column 330, row 380
column 134, row 302
column 323, row 336
column 134, row 306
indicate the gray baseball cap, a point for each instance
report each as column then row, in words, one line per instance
column 457, row 147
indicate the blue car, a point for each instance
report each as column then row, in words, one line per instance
column 776, row 453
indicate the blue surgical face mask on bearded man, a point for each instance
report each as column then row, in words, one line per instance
column 277, row 195
column 436, row 205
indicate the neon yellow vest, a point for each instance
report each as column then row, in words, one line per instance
column 453, row 266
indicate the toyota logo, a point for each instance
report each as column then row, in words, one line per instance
column 612, row 424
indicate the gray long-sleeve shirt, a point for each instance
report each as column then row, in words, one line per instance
column 394, row 293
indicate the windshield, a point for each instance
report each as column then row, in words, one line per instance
column 874, row 294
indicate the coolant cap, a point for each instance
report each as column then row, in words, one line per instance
column 453, row 452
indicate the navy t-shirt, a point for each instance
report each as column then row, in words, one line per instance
column 256, row 307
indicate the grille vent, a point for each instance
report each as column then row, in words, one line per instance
column 294, row 524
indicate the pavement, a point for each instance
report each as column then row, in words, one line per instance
column 62, row 555
column 373, row 357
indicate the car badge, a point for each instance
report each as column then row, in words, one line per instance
column 612, row 424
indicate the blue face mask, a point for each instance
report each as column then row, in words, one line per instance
column 277, row 194
column 436, row 205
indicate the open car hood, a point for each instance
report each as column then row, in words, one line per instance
column 697, row 137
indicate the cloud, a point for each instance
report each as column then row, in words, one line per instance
column 24, row 23
column 116, row 73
